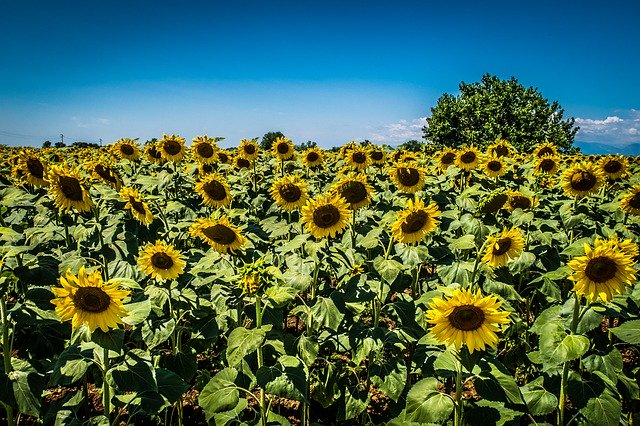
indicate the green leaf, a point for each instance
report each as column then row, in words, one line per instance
column 425, row 403
column 557, row 347
column 288, row 378
column 522, row 263
column 137, row 312
column 279, row 295
column 387, row 268
column 609, row 363
column 182, row 363
column 220, row 394
column 70, row 366
column 486, row 412
column 135, row 374
column 308, row 349
column 495, row 380
column 457, row 272
column 466, row 242
column 539, row 400
column 356, row 400
column 603, row 409
column 158, row 331
column 325, row 313
column 628, row 332
column 242, row 342
column 112, row 339
column 390, row 377
column 27, row 386
column 170, row 385
column 549, row 314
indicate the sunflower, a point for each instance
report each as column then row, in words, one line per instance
column 582, row 179
column 33, row 169
column 468, row 158
column 172, row 148
column 630, row 202
column 126, row 148
column 161, row 261
column 282, row 148
column 220, row 234
column 65, row 185
column 248, row 149
column 224, row 157
column 614, row 166
column 518, row 200
column 446, row 158
column 603, row 271
column 545, row 149
column 500, row 148
column 546, row 164
column 139, row 209
column 313, row 157
column 326, row 216
column 105, row 173
column 501, row 248
column 214, row 190
column 290, row 192
column 86, row 299
column 466, row 318
column 407, row 177
column 358, row 158
column 377, row 155
column 492, row 202
column 494, row 167
column 242, row 163
column 415, row 222
column 203, row 149
column 152, row 153
column 628, row 247
column 355, row 189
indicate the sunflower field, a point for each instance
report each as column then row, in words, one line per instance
column 175, row 285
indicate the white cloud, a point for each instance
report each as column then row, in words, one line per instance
column 398, row 132
column 90, row 123
column 619, row 129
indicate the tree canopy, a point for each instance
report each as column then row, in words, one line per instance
column 269, row 138
column 495, row 108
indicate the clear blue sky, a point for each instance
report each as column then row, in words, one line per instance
column 328, row 71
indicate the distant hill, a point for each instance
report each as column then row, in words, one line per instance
column 602, row 148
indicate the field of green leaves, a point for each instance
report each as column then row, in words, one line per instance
column 175, row 285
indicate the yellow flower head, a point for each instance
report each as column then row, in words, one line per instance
column 355, row 189
column 313, row 157
column 326, row 216
column 290, row 192
column 468, row 158
column 126, row 148
column 214, row 190
column 204, row 148
column 66, row 187
column 408, row 178
column 33, row 168
column 220, row 234
column 504, row 247
column 161, row 261
column 248, row 149
column 171, row 148
column 582, row 180
column 415, row 222
column 282, row 148
column 139, row 209
column 630, row 202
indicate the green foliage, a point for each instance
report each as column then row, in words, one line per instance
column 269, row 138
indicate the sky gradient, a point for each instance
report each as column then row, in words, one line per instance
column 326, row 71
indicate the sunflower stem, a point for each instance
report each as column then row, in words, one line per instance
column 314, row 284
column 104, row 257
column 565, row 367
column 353, row 229
column 6, row 352
column 263, row 411
column 106, row 396
column 388, row 250
column 457, row 419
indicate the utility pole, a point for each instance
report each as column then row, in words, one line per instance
column 100, row 141
column 62, row 138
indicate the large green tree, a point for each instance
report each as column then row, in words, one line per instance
column 495, row 108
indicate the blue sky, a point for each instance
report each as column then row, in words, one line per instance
column 328, row 71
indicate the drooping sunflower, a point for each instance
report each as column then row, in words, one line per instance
column 492, row 202
column 466, row 318
column 171, row 148
column 446, row 158
column 546, row 164
column 494, row 167
column 501, row 248
column 326, row 216
column 152, row 153
column 582, row 179
column 355, row 189
column 105, row 173
column 282, row 148
column 602, row 272
column 290, row 192
column 415, row 222
column 630, row 202
column 65, row 185
column 214, row 190
column 614, row 166
column 248, row 149
column 313, row 157
column 500, row 148
column 87, row 299
column 468, row 158
column 139, row 209
column 408, row 178
column 545, row 149
column 220, row 234
column 161, row 261
column 204, row 148
column 126, row 148
column 518, row 200
column 358, row 158
column 34, row 169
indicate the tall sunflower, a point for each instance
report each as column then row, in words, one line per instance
column 204, row 148
column 241, row 163
column 468, row 158
column 503, row 247
column 415, row 222
column 358, row 158
column 582, row 180
column 224, row 157
column 326, row 216
column 139, row 209
column 220, row 234
column 126, row 148
column 34, row 169
column 161, row 261
column 407, row 178
column 152, row 153
column 630, row 202
column 355, row 189
column 214, row 190
column 248, row 149
column 313, row 157
column 171, row 148
column 466, row 318
column 290, row 192
column 545, row 149
column 494, row 167
column 86, row 299
column 614, row 166
column 602, row 272
column 65, row 185
column 546, row 164
column 282, row 148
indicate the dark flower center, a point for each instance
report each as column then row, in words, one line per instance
column 501, row 151
column 91, row 299
column 545, row 151
column 582, row 180
column 221, row 234
column 35, row 167
column 137, row 205
column 468, row 157
column 495, row 203
column 207, row 168
column 466, row 317
column 154, row 153
column 494, row 166
column 448, row 158
column 243, row 163
column 312, row 156
column 105, row 173
column 127, row 149
column 205, row 150
column 547, row 165
column 408, row 176
column 283, row 148
column 215, row 190
column 502, row 246
column 223, row 157
column 414, row 222
column 326, row 216
column 290, row 192
column 172, row 147
column 359, row 157
column 70, row 187
column 250, row 149
column 354, row 192
column 161, row 260
column 520, row 202
column 601, row 269
column 377, row 155
column 613, row 166
column 635, row 201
